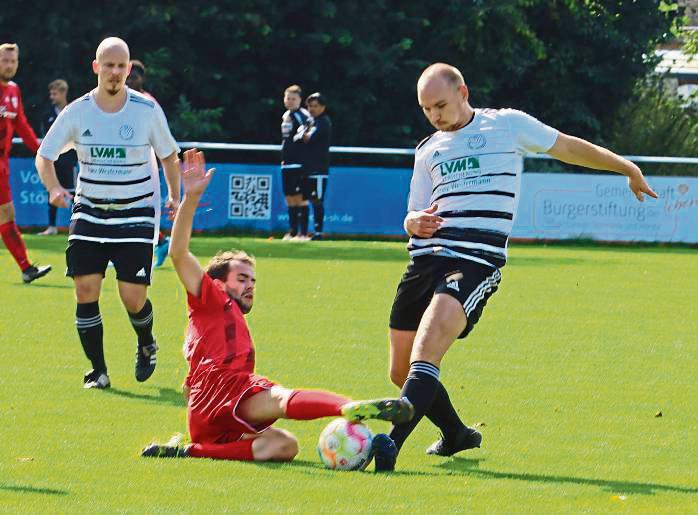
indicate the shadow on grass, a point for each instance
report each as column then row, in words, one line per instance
column 32, row 490
column 164, row 396
column 68, row 286
column 471, row 467
column 316, row 468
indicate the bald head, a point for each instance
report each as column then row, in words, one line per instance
column 112, row 45
column 112, row 65
column 441, row 72
column 443, row 97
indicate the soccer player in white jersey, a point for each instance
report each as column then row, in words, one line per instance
column 116, row 207
column 463, row 199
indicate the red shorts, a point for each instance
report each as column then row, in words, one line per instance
column 5, row 192
column 213, row 401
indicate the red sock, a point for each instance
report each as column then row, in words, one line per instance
column 240, row 450
column 15, row 244
column 312, row 404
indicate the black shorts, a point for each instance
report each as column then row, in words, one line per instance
column 314, row 186
column 292, row 180
column 469, row 282
column 132, row 261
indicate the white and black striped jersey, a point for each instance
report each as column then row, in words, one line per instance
column 473, row 175
column 292, row 147
column 117, row 198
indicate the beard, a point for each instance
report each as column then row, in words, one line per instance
column 244, row 305
column 114, row 89
column 7, row 76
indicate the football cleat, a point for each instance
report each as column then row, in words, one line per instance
column 397, row 411
column 161, row 251
column 32, row 273
column 467, row 438
column 145, row 361
column 155, row 450
column 384, row 452
column 95, row 379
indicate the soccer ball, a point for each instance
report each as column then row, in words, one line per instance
column 345, row 445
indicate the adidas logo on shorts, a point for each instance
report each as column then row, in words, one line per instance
column 141, row 273
column 453, row 285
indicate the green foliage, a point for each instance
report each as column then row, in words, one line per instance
column 569, row 62
column 565, row 372
column 190, row 123
column 656, row 122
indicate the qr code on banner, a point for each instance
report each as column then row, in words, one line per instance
column 250, row 197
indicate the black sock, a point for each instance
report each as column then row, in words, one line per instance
column 443, row 415
column 420, row 389
column 91, row 333
column 142, row 323
column 52, row 215
column 303, row 214
column 319, row 214
column 292, row 220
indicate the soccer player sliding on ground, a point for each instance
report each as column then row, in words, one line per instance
column 230, row 409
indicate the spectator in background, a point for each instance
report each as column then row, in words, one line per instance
column 12, row 119
column 136, row 80
column 317, row 158
column 292, row 158
column 65, row 165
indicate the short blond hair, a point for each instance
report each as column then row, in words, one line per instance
column 59, row 84
column 9, row 47
column 219, row 266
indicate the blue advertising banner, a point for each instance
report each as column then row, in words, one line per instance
column 602, row 207
column 372, row 201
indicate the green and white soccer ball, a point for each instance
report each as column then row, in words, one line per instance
column 345, row 445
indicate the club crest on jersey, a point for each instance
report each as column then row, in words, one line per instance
column 463, row 164
column 108, row 152
column 126, row 132
column 476, row 142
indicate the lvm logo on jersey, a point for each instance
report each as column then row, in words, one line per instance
column 463, row 164
column 108, row 152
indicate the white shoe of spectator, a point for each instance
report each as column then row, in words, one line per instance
column 49, row 231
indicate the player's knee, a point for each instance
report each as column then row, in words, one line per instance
column 288, row 448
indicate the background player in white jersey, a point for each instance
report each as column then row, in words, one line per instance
column 463, row 199
column 116, row 207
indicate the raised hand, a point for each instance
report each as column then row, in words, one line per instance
column 194, row 175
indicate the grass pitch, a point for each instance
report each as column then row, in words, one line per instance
column 581, row 375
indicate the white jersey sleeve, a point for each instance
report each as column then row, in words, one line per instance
column 531, row 135
column 160, row 136
column 60, row 136
column 420, row 185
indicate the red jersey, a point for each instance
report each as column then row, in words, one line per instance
column 12, row 119
column 217, row 336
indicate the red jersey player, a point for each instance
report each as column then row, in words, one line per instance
column 12, row 119
column 230, row 408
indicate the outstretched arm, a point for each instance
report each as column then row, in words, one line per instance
column 577, row 151
column 196, row 179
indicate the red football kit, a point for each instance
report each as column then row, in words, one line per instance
column 221, row 359
column 220, row 353
column 12, row 119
